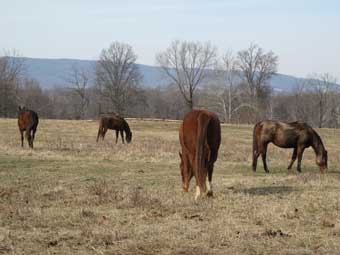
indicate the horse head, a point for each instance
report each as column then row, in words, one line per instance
column 128, row 137
column 321, row 161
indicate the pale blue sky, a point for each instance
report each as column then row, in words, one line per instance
column 304, row 34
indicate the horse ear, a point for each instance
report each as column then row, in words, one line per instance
column 180, row 154
column 19, row 108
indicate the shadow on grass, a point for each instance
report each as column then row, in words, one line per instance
column 269, row 190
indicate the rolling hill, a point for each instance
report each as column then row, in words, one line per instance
column 53, row 73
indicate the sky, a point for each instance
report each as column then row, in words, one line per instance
column 304, row 34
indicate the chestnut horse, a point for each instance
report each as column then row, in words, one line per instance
column 115, row 123
column 296, row 135
column 200, row 138
column 27, row 121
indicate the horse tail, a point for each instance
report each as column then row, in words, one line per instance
column 255, row 145
column 31, row 128
column 201, row 150
column 34, row 120
column 100, row 129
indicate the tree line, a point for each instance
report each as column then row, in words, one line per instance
column 235, row 85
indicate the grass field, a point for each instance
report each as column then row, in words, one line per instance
column 71, row 195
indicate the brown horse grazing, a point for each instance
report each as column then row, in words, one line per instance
column 200, row 138
column 297, row 135
column 27, row 121
column 115, row 123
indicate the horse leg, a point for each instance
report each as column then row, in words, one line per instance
column 99, row 133
column 264, row 157
column 213, row 157
column 32, row 138
column 256, row 154
column 22, row 137
column 293, row 159
column 117, row 135
column 257, row 151
column 300, row 151
column 103, row 133
column 29, row 137
column 122, row 135
column 209, row 182
column 198, row 192
column 33, row 135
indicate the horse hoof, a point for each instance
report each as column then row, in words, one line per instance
column 210, row 193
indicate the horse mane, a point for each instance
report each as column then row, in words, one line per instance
column 304, row 125
column 318, row 138
column 126, row 126
column 298, row 124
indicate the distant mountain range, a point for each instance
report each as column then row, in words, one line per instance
column 54, row 73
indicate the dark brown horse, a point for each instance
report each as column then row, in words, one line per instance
column 296, row 135
column 27, row 121
column 200, row 138
column 115, row 123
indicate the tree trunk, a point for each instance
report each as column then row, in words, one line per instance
column 229, row 105
column 190, row 104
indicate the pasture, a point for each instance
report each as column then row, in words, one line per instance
column 71, row 195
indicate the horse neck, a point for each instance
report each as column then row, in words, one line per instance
column 317, row 144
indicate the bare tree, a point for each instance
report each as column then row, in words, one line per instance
column 116, row 73
column 11, row 67
column 230, row 80
column 187, row 64
column 34, row 97
column 322, row 85
column 79, row 80
column 335, row 113
column 257, row 67
column 299, row 104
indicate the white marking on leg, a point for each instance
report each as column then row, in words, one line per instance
column 198, row 192
column 209, row 189
column 209, row 186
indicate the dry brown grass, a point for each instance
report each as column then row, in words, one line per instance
column 72, row 196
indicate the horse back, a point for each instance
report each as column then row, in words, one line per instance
column 284, row 135
column 191, row 126
column 27, row 119
column 112, row 122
